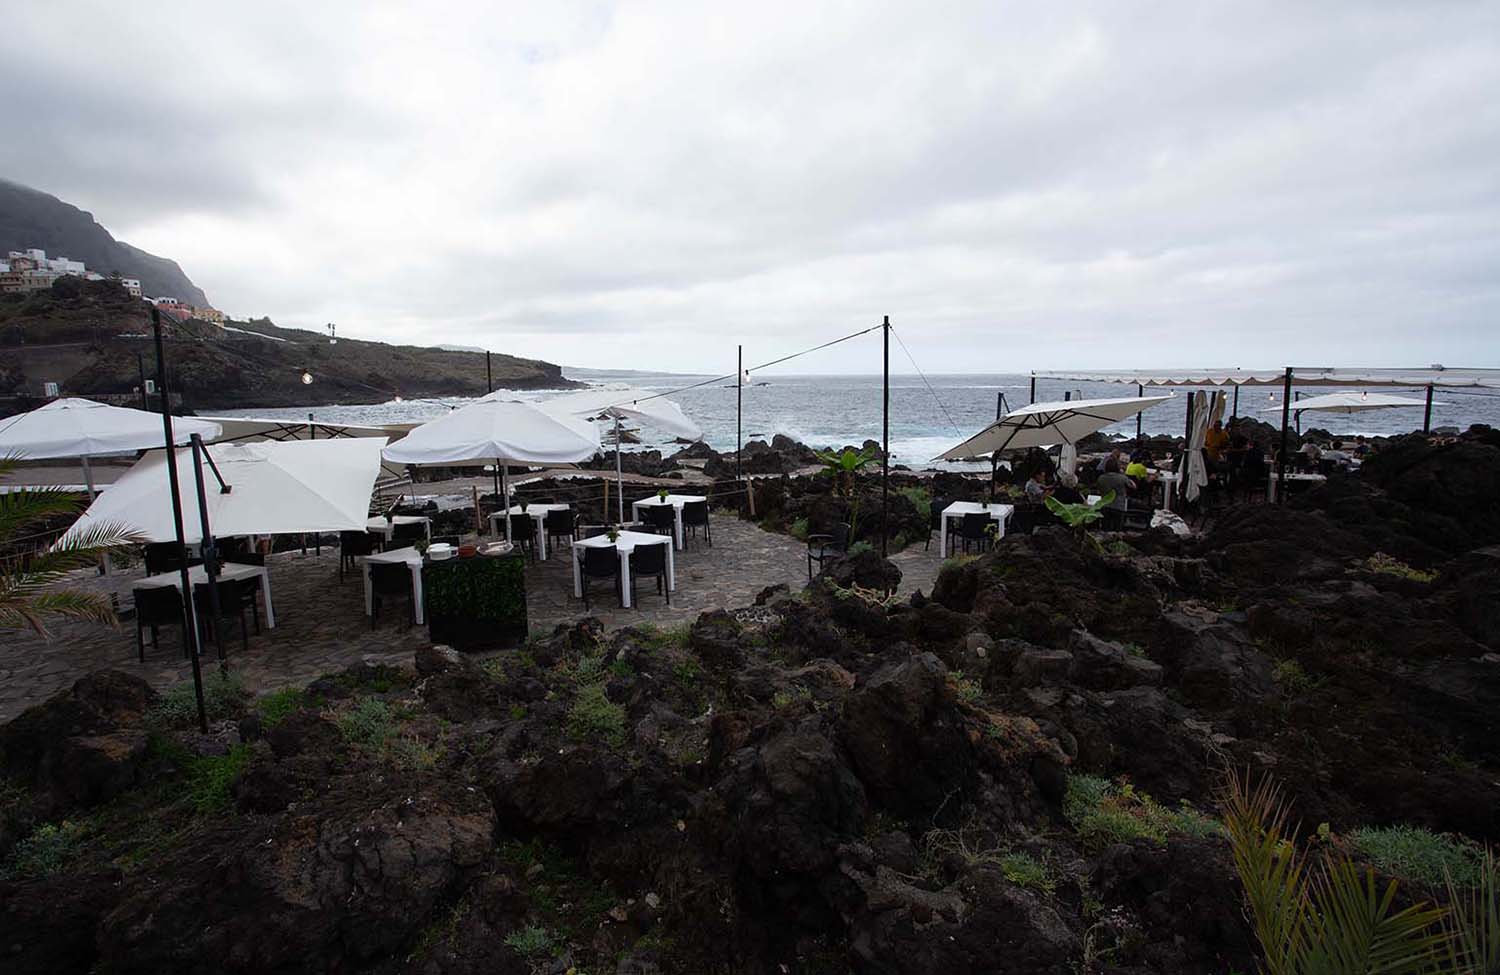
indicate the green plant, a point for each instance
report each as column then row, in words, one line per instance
column 530, row 942
column 921, row 499
column 1292, row 678
column 1474, row 921
column 223, row 696
column 29, row 591
column 277, row 706
column 798, row 530
column 858, row 548
column 1025, row 870
column 1421, row 856
column 955, row 562
column 786, row 698
column 1392, row 566
column 1104, row 813
column 686, row 672
column 45, row 852
column 594, row 716
column 844, row 467
column 967, row 689
column 210, row 778
column 368, row 721
column 411, row 752
column 1081, row 515
column 1316, row 914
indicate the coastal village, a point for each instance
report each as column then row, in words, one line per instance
column 32, row 270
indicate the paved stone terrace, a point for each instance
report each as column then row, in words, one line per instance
column 321, row 626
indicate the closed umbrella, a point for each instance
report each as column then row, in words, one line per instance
column 616, row 403
column 83, row 428
column 274, row 487
column 1046, row 424
column 498, row 430
column 1191, row 469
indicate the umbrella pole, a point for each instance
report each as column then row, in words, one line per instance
column 88, row 480
column 207, row 547
column 619, row 475
column 505, row 498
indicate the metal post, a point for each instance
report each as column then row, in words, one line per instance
column 1033, row 387
column 140, row 365
column 1297, row 414
column 1234, row 411
column 739, row 416
column 1286, row 409
column 1427, row 413
column 619, row 476
column 191, row 634
column 489, row 377
column 885, row 454
column 504, row 497
column 312, row 431
column 208, row 549
column 1140, row 391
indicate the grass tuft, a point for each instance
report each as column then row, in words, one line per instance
column 223, row 697
column 594, row 716
column 1420, row 855
column 45, row 852
column 1104, row 813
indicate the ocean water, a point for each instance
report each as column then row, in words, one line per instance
column 837, row 410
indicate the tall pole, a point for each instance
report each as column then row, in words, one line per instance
column 1286, row 409
column 489, row 387
column 190, row 628
column 739, row 417
column 1033, row 387
column 995, row 455
column 1427, row 413
column 1234, row 411
column 885, row 452
column 489, row 377
column 1140, row 391
column 140, row 365
column 619, row 477
column 208, row 549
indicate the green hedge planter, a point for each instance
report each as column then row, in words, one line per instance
column 476, row 604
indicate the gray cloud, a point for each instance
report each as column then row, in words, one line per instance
column 1164, row 184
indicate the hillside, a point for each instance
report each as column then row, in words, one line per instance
column 85, row 336
column 31, row 218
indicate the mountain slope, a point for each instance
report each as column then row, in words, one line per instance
column 31, row 218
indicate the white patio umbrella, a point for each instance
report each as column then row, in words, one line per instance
column 83, row 428
column 499, row 431
column 1350, row 403
column 275, row 487
column 1046, row 424
column 616, row 403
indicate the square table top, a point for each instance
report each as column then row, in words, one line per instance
column 675, row 500
column 229, row 573
column 531, row 506
column 996, row 509
column 379, row 523
column 627, row 540
column 395, row 556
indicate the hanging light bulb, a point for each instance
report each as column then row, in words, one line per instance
column 398, row 397
column 745, row 378
column 306, row 378
column 1364, row 394
column 1270, row 397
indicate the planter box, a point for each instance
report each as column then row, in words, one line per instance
column 476, row 604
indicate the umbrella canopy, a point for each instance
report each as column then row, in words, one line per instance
column 275, row 488
column 1350, row 403
column 633, row 404
column 496, row 429
column 1045, row 424
column 84, row 428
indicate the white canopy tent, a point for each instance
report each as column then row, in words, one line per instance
column 616, row 403
column 1047, row 424
column 84, row 428
column 1350, row 403
column 273, row 488
column 500, row 431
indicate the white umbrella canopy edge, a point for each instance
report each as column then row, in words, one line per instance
column 1351, row 403
column 75, row 427
column 496, row 429
column 641, row 405
column 1047, row 424
column 275, row 488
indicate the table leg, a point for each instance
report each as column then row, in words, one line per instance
column 671, row 570
column 943, row 536
column 577, row 574
column 541, row 538
column 624, row 578
column 364, row 568
column 999, row 525
column 418, row 608
column 265, row 591
column 677, row 509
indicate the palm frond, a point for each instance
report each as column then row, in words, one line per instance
column 31, row 610
column 1474, row 922
column 1270, row 869
column 19, row 509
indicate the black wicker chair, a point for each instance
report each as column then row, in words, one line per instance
column 393, row 580
column 695, row 516
column 650, row 560
column 354, row 544
column 155, row 607
column 824, row 546
column 599, row 563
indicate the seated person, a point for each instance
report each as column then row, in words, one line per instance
column 1312, row 452
column 1036, row 486
column 1338, row 455
column 1067, row 488
column 1215, row 442
column 1361, row 447
column 1113, row 480
column 1137, row 469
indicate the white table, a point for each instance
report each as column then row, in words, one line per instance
column 1000, row 513
column 1291, row 479
column 381, row 526
column 627, row 543
column 538, row 513
column 1168, row 481
column 232, row 571
column 675, row 500
column 409, row 557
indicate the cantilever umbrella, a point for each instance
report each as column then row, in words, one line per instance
column 1047, row 424
column 622, row 402
column 1350, row 403
column 498, row 431
column 83, row 428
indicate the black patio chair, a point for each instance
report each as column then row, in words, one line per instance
column 354, row 544
column 523, row 534
column 935, row 521
column 661, row 519
column 405, row 536
column 391, row 580
column 155, row 607
column 599, row 563
column 560, row 524
column 650, row 560
column 232, row 605
column 162, row 557
column 973, row 531
column 694, row 516
column 824, row 546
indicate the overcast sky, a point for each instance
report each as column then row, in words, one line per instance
column 645, row 185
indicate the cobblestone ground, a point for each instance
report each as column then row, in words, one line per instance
column 321, row 626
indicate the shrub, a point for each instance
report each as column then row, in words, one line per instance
column 368, row 722
column 276, row 706
column 1025, row 870
column 594, row 716
column 1292, row 678
column 223, row 697
column 921, row 499
column 211, row 777
column 798, row 530
column 530, row 942
column 859, row 548
column 1104, row 813
column 45, row 852
column 966, row 688
column 1419, row 855
column 784, row 699
column 1391, row 566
